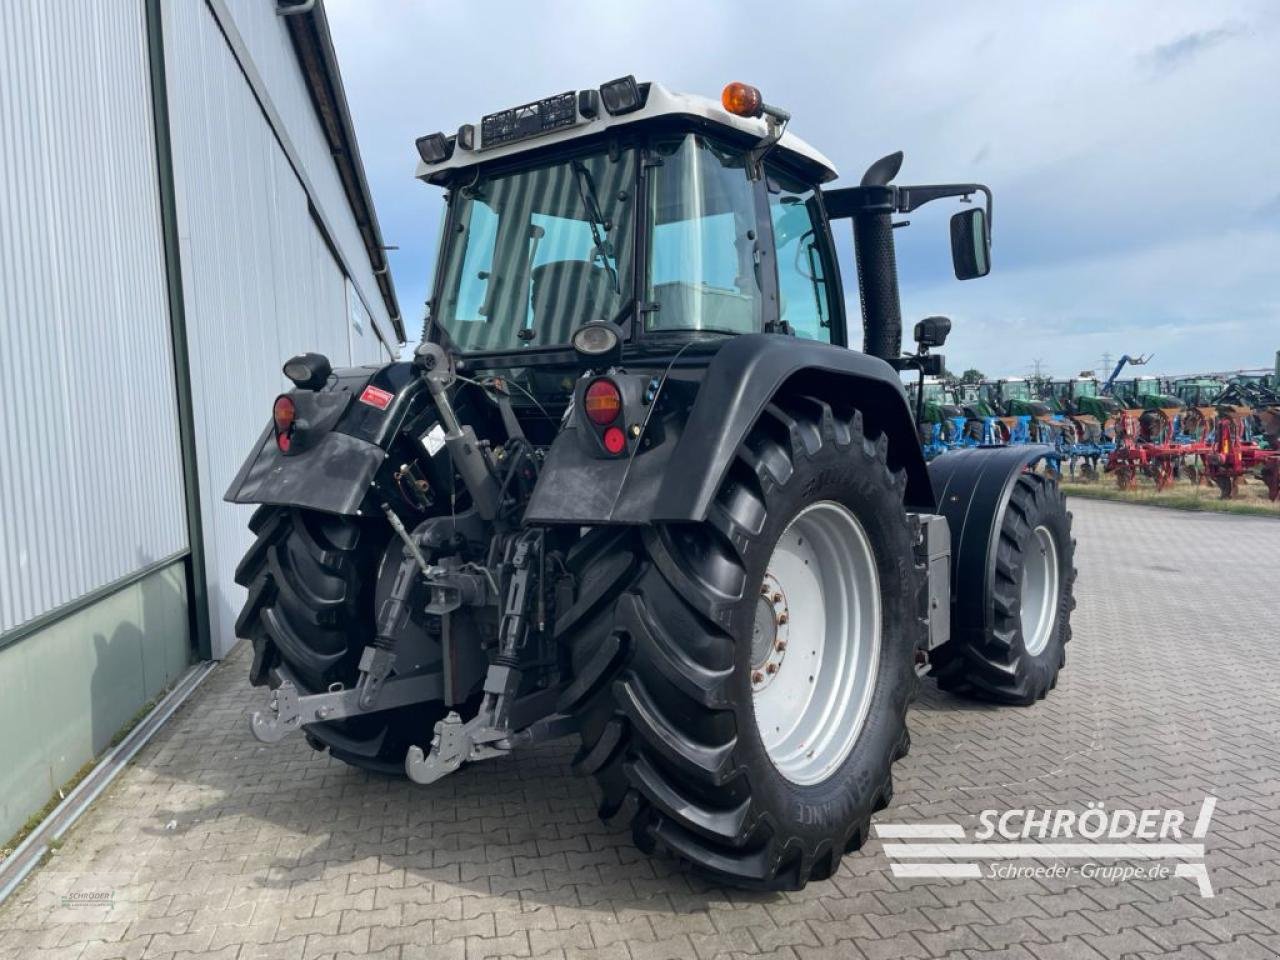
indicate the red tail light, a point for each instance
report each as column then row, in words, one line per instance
column 283, row 415
column 602, row 402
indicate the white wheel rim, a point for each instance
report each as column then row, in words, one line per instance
column 816, row 645
column 1040, row 590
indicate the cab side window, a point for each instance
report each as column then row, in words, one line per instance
column 802, row 282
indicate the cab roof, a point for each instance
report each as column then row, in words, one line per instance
column 658, row 102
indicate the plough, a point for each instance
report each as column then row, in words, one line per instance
column 1231, row 457
column 1223, row 450
column 1138, row 453
column 1155, row 435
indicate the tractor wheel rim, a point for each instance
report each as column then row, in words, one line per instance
column 1040, row 590
column 816, row 644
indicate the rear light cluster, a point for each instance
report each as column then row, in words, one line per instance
column 603, row 402
column 603, row 405
column 283, row 415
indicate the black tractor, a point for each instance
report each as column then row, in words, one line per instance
column 635, row 486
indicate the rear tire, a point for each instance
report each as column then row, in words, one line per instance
column 664, row 667
column 1017, row 658
column 311, row 579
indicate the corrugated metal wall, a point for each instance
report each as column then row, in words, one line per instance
column 260, row 283
column 267, row 39
column 90, row 465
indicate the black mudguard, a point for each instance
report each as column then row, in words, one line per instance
column 676, row 480
column 330, row 468
column 332, row 476
column 973, row 488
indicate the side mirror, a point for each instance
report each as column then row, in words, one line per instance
column 970, row 244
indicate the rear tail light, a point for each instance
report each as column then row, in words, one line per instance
column 283, row 415
column 603, row 402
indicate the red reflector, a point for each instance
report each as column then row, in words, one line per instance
column 615, row 441
column 376, row 397
column 283, row 442
column 603, row 402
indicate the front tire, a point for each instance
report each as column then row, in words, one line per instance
column 676, row 728
column 1014, row 655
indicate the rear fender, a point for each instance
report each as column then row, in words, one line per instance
column 345, row 430
column 677, row 479
column 973, row 488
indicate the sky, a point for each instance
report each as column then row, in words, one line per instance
column 1133, row 148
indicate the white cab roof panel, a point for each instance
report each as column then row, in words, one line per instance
column 660, row 102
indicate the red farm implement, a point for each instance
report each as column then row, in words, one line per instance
column 1145, row 446
column 1230, row 457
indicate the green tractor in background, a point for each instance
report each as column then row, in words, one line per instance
column 938, row 403
column 982, row 418
column 1158, row 413
column 1147, row 393
column 1023, row 411
column 1197, row 391
column 940, row 418
column 1080, row 399
column 1200, row 394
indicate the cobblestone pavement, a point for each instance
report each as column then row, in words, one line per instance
column 216, row 846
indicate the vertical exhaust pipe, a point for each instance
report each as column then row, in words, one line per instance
column 878, row 268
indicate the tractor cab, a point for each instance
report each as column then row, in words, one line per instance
column 1057, row 394
column 1083, row 387
column 1014, row 388
column 1015, row 397
column 656, row 219
column 1147, row 393
column 1084, row 395
column 937, row 401
column 1198, row 391
column 632, row 220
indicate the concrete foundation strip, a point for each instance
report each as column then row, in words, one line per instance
column 31, row 851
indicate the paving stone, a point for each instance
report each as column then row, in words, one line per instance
column 281, row 853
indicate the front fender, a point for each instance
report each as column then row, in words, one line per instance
column 973, row 488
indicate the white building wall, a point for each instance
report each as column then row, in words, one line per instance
column 260, row 282
column 266, row 38
column 91, row 486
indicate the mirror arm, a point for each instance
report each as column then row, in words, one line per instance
column 850, row 201
column 913, row 198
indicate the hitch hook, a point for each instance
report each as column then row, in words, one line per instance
column 280, row 718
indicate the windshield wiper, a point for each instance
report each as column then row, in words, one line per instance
column 591, row 200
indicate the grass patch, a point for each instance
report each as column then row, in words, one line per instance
column 37, row 818
column 1199, row 499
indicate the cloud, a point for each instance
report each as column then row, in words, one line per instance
column 1269, row 212
column 1167, row 57
column 1166, row 299
column 1117, row 210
